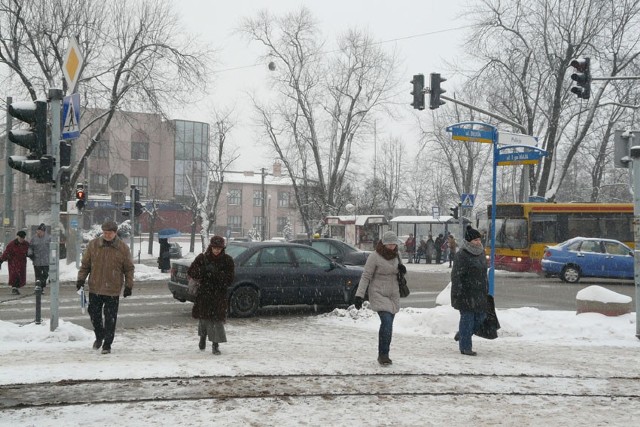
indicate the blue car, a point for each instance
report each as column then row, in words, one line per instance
column 588, row 257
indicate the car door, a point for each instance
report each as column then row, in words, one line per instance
column 318, row 279
column 591, row 258
column 273, row 273
column 619, row 260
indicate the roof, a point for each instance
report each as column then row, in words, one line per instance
column 416, row 219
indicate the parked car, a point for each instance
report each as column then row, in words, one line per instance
column 276, row 273
column 588, row 257
column 175, row 250
column 337, row 250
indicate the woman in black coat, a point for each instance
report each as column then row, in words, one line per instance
column 469, row 288
column 214, row 269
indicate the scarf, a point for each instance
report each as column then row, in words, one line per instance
column 472, row 249
column 385, row 252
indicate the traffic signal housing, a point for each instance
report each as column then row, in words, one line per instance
column 135, row 199
column 435, row 90
column 37, row 164
column 418, row 91
column 81, row 197
column 582, row 77
column 455, row 212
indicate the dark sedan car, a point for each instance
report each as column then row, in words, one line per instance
column 272, row 273
column 337, row 250
column 588, row 257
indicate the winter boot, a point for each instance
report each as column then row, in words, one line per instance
column 15, row 291
column 384, row 360
column 215, row 348
column 97, row 344
column 203, row 342
column 106, row 349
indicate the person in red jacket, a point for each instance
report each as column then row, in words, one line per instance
column 16, row 254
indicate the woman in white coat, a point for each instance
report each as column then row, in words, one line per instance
column 380, row 278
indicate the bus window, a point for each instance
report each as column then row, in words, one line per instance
column 543, row 228
column 511, row 233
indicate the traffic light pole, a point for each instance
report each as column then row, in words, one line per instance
column 132, row 217
column 55, row 98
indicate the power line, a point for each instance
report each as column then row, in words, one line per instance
column 430, row 33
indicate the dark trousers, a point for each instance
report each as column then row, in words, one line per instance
column 385, row 332
column 438, row 256
column 107, row 330
column 470, row 322
column 42, row 274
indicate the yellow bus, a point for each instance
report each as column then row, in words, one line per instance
column 524, row 229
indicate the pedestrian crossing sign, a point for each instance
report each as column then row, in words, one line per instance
column 467, row 200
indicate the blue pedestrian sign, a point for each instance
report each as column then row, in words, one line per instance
column 71, row 117
column 467, row 200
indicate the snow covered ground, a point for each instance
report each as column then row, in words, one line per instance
column 546, row 368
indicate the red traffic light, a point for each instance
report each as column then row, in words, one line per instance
column 80, row 194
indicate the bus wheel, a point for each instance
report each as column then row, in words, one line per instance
column 570, row 274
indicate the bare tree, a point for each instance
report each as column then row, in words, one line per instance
column 525, row 49
column 324, row 105
column 141, row 59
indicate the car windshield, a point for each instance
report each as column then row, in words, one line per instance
column 234, row 250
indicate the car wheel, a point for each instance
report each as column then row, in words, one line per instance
column 244, row 302
column 570, row 274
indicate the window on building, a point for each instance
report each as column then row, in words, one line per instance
column 234, row 197
column 99, row 183
column 139, row 151
column 191, row 152
column 234, row 222
column 282, row 223
column 101, row 150
column 257, row 198
column 257, row 223
column 142, row 184
column 283, row 199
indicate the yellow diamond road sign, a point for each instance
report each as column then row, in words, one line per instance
column 72, row 65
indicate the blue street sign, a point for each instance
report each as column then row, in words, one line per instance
column 467, row 200
column 465, row 133
column 71, row 117
column 522, row 158
column 73, row 223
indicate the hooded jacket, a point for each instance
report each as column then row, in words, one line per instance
column 380, row 278
column 108, row 265
column 469, row 282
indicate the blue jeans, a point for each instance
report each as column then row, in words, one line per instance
column 385, row 332
column 107, row 330
column 470, row 321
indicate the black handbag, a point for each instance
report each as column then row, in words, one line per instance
column 402, row 282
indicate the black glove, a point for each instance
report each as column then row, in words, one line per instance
column 127, row 292
column 357, row 301
column 79, row 284
column 402, row 268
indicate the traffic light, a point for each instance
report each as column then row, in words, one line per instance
column 135, row 199
column 65, row 160
column 582, row 77
column 435, row 91
column 37, row 164
column 418, row 91
column 454, row 212
column 81, row 197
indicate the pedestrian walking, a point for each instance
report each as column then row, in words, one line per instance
column 164, row 259
column 380, row 278
column 438, row 247
column 469, row 288
column 108, row 265
column 39, row 248
column 453, row 247
column 16, row 255
column 431, row 249
column 215, row 271
column 410, row 247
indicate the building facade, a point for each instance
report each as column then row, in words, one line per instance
column 167, row 160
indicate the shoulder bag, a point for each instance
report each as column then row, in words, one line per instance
column 402, row 282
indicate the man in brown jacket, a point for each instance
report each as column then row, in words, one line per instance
column 107, row 262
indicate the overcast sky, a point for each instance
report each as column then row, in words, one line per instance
column 424, row 33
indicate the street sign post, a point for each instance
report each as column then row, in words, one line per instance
column 467, row 200
column 508, row 138
column 472, row 131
